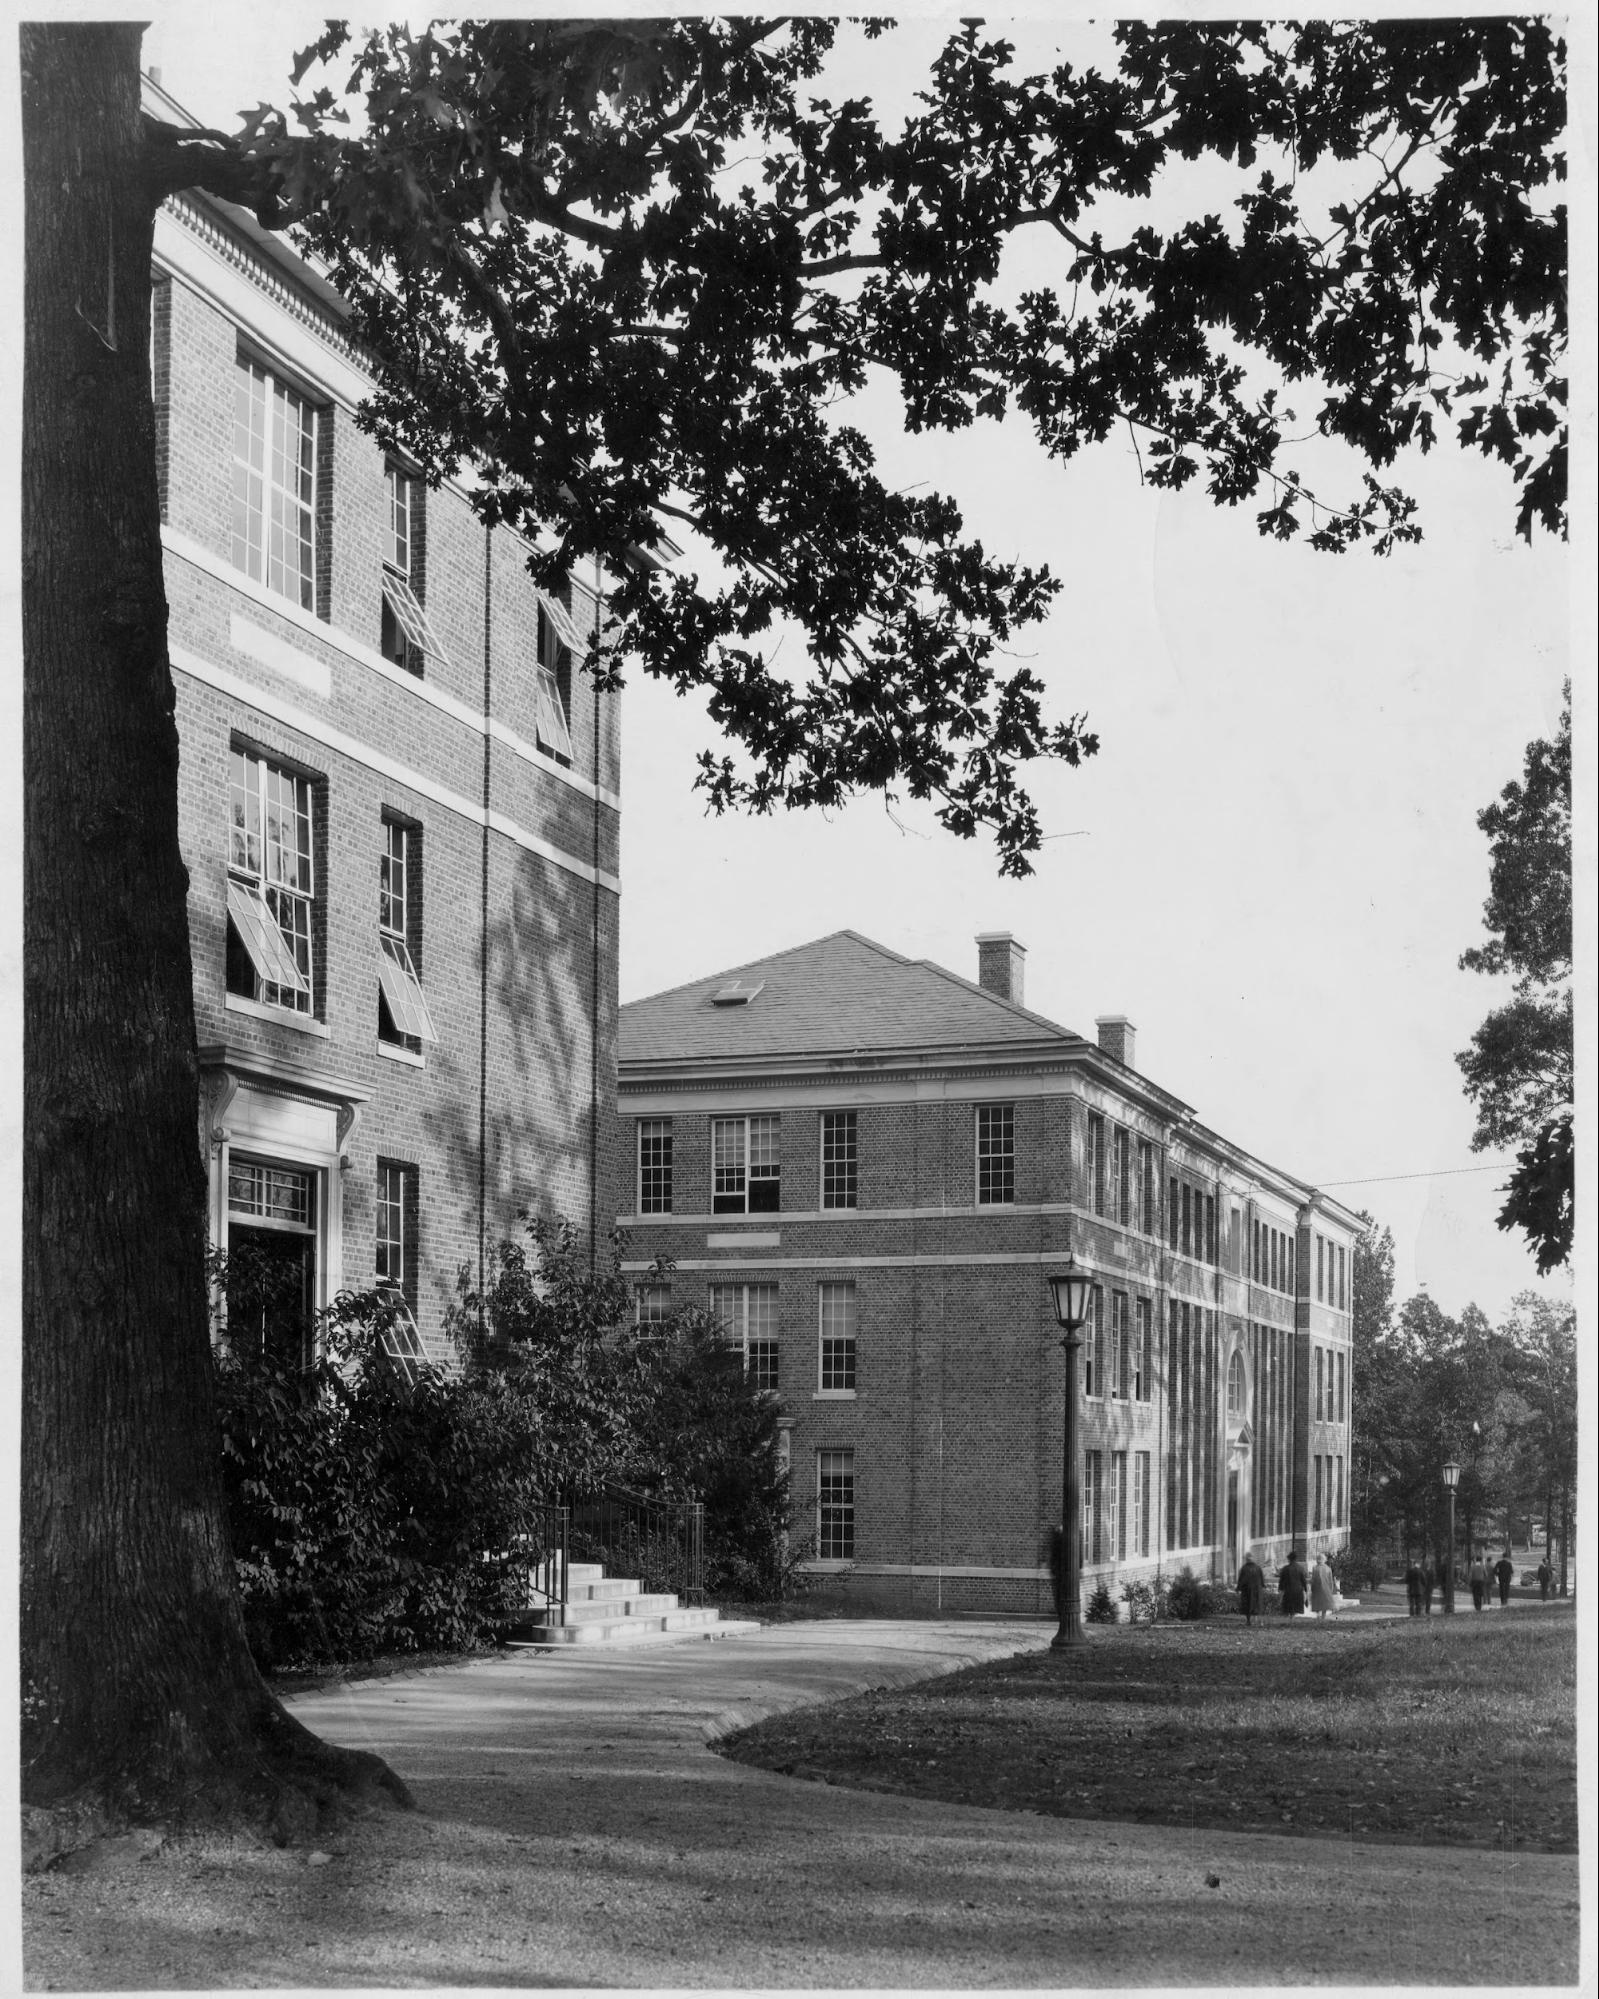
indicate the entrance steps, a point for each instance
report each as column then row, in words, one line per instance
column 614, row 1610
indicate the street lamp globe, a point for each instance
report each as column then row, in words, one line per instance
column 1451, row 1474
column 1071, row 1288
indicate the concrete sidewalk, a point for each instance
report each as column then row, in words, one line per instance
column 575, row 1829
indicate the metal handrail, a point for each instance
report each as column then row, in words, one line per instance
column 663, row 1537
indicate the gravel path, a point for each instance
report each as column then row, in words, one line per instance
column 575, row 1830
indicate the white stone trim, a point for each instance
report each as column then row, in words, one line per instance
column 305, row 671
column 322, row 731
column 280, row 1016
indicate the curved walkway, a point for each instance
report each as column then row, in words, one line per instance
column 574, row 1829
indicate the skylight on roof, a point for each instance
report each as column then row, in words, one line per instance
column 737, row 993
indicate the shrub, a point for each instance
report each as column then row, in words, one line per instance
column 1188, row 1597
column 1101, row 1605
column 1147, row 1602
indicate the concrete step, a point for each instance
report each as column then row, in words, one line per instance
column 667, row 1628
column 601, row 1610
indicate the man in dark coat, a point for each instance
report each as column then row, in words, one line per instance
column 1546, row 1576
column 1428, row 1583
column 1251, row 1582
column 1292, row 1585
column 1413, row 1586
column 1505, row 1570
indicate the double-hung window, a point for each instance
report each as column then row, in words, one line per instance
column 1120, row 1356
column 1142, row 1352
column 996, row 1155
column 407, row 637
column 403, row 1017
column 748, row 1313
column 745, row 1174
column 835, row 1505
column 274, row 484
column 552, row 680
column 395, row 1245
column 1121, row 1158
column 1094, row 1345
column 1093, row 1507
column 652, row 1304
column 655, row 1165
column 1094, row 1163
column 1138, row 1535
column 271, row 884
column 838, row 1159
column 1116, row 1510
column 835, row 1312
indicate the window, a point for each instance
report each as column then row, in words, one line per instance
column 1146, row 1218
column 1210, row 1228
column 748, row 1312
column 395, row 1255
column 1120, row 1342
column 1235, row 1241
column 744, row 1166
column 1116, row 1508
column 403, row 1015
column 1143, row 1352
column 552, row 685
column 655, row 1165
column 1315, row 1518
column 1171, row 1211
column 271, row 883
column 1340, row 1516
column 1235, row 1389
column 1096, row 1162
column 1339, row 1416
column 1321, row 1404
column 274, row 484
column 1188, row 1216
column 1320, row 1247
column 835, row 1505
column 1121, row 1148
column 838, row 1159
column 996, row 1154
column 835, row 1311
column 1139, row 1526
column 1343, row 1283
column 1094, row 1346
column 653, row 1304
column 1092, row 1513
column 407, row 638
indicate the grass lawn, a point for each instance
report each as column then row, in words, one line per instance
column 1444, row 1731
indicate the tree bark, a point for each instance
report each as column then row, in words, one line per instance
column 140, row 1697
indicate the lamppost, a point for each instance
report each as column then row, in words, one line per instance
column 1070, row 1290
column 1451, row 1479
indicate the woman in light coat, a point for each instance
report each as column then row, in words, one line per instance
column 1323, row 1590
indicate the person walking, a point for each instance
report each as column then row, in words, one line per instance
column 1323, row 1590
column 1413, row 1586
column 1505, row 1571
column 1477, row 1576
column 1291, row 1586
column 1251, row 1584
column 1546, row 1576
column 1428, row 1583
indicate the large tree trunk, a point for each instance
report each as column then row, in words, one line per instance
column 140, row 1696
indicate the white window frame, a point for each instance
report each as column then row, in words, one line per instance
column 271, row 880
column 832, row 1124
column 1120, row 1383
column 759, row 1162
column 652, row 1302
column 657, row 1130
column 994, row 1148
column 1094, row 1347
column 835, row 1536
column 837, row 1339
column 1140, row 1505
column 749, row 1317
column 551, row 723
column 398, row 919
column 271, row 515
column 1143, row 1349
column 404, row 490
column 1093, row 1508
column 1116, row 1508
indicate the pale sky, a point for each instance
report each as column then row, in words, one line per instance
column 1273, row 864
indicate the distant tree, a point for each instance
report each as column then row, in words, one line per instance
column 1541, row 1363
column 1518, row 1069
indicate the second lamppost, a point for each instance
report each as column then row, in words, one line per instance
column 1451, row 1479
column 1071, row 1293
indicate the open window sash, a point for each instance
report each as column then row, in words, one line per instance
column 399, row 1339
column 562, row 624
column 402, row 989
column 263, row 940
column 549, row 716
column 409, row 614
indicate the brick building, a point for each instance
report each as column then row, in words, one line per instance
column 398, row 807
column 866, row 1167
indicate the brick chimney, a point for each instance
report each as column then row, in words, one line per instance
column 1117, row 1035
column 1001, row 963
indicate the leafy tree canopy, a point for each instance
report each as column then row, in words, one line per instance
column 1519, row 1067
column 634, row 273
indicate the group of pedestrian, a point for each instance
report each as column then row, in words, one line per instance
column 1419, row 1586
column 1419, row 1582
column 1294, row 1587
